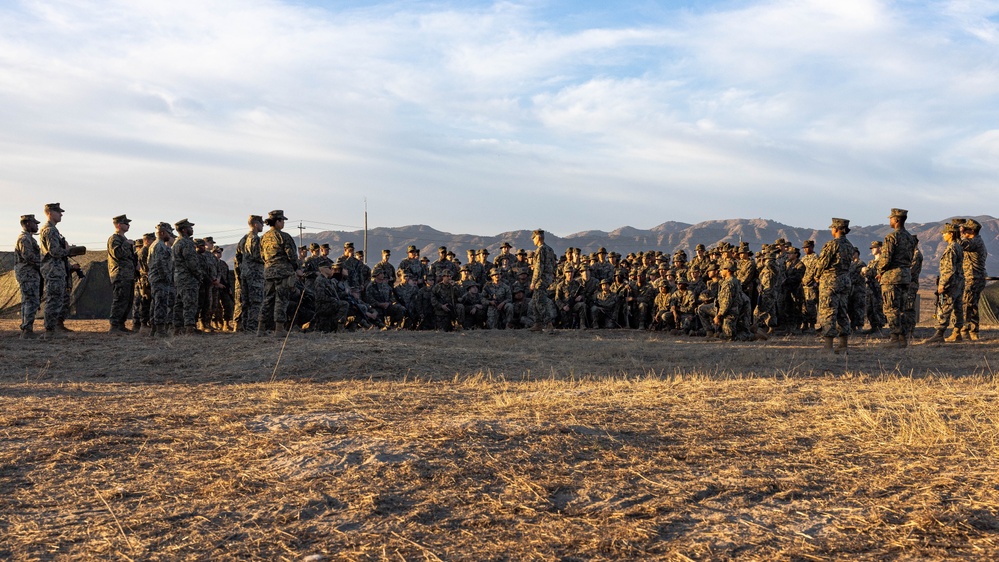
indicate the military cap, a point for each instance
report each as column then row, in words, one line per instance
column 602, row 250
column 523, row 271
column 605, row 282
column 744, row 247
column 122, row 219
column 359, row 253
column 484, row 251
column 54, row 207
column 425, row 259
column 182, row 223
column 495, row 273
column 957, row 220
column 138, row 242
column 450, row 253
column 277, row 215
column 538, row 232
column 199, row 241
column 505, row 245
column 876, row 244
column 898, row 213
column 711, row 267
column 324, row 246
column 255, row 218
column 407, row 276
column 376, row 272
column 699, row 247
column 217, row 250
column 681, row 279
column 780, row 241
column 303, row 248
column 164, row 226
column 386, row 252
column 348, row 245
column 209, row 240
column 521, row 252
column 840, row 223
column 680, row 253
column 410, row 249
column 339, row 262
column 149, row 235
column 313, row 246
column 663, row 266
column 445, row 273
column 972, row 224
column 29, row 218
column 465, row 269
column 727, row 264
column 808, row 244
column 471, row 251
column 951, row 229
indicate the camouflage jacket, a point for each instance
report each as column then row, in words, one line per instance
column 685, row 302
column 544, row 267
column 566, row 292
column 833, row 261
column 121, row 258
column 729, row 296
column 442, row 294
column 280, row 254
column 160, row 264
column 405, row 294
column 895, row 262
column 52, row 245
column 248, row 262
column 975, row 256
column 497, row 292
column 187, row 264
column 378, row 293
column 952, row 266
column 28, row 256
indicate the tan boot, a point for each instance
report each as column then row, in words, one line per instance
column 891, row 342
column 27, row 334
column 973, row 336
column 954, row 337
column 841, row 348
column 937, row 337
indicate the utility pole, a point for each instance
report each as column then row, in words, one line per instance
column 365, row 230
column 301, row 234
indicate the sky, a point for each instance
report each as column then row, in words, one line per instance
column 485, row 117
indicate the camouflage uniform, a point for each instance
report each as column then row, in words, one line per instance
column 952, row 281
column 683, row 305
column 379, row 296
column 794, row 272
column 875, row 302
column 975, row 256
column 160, row 274
column 605, row 305
column 810, row 291
column 121, row 270
column 857, row 303
column 545, row 262
column 570, row 302
column 733, row 308
column 406, row 295
column 909, row 314
column 188, row 273
column 330, row 306
column 280, row 255
column 448, row 311
column 832, row 268
column 27, row 270
column 894, row 266
column 208, row 296
column 249, row 266
column 766, row 309
column 500, row 303
column 55, row 271
column 143, row 300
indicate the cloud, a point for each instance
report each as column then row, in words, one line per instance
column 436, row 112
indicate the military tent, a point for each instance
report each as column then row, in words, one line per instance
column 988, row 307
column 91, row 297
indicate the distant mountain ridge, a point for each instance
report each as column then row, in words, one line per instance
column 666, row 237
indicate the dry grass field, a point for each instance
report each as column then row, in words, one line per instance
column 495, row 446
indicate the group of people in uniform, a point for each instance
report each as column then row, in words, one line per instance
column 171, row 283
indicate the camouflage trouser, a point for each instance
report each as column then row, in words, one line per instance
column 160, row 309
column 447, row 318
column 604, row 317
column 857, row 306
column 972, row 295
column 951, row 304
column 794, row 308
column 250, row 294
column 329, row 315
column 56, row 293
column 894, row 304
column 766, row 310
column 208, row 298
column 909, row 312
column 31, row 286
column 706, row 313
column 834, row 297
column 811, row 305
column 122, row 292
column 521, row 315
column 642, row 313
column 542, row 306
column 875, row 307
column 185, row 308
column 142, row 302
column 278, row 294
column 498, row 315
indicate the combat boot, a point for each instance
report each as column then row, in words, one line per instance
column 903, row 341
column 228, row 327
column 892, row 341
column 192, row 331
column 61, row 326
column 27, row 334
column 52, row 334
column 973, row 336
column 937, row 337
column 841, row 348
column 954, row 337
column 537, row 327
column 827, row 344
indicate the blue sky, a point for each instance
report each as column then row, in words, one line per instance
column 483, row 117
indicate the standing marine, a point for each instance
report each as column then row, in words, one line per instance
column 27, row 270
column 281, row 271
column 950, row 287
column 832, row 270
column 545, row 263
column 894, row 266
column 122, row 268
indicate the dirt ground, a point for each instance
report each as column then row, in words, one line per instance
column 495, row 446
